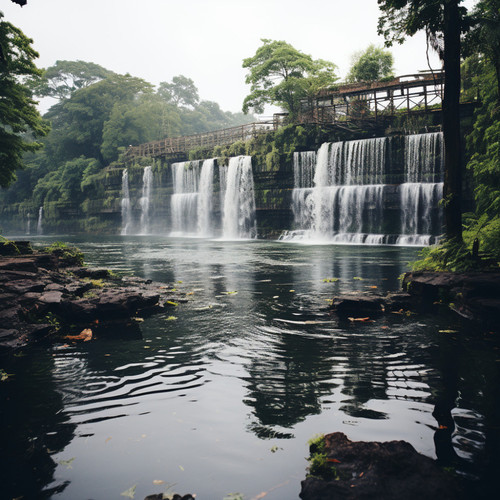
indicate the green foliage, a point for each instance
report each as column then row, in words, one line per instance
column 180, row 92
column 372, row 64
column 20, row 121
column 319, row 466
column 71, row 256
column 62, row 79
column 282, row 75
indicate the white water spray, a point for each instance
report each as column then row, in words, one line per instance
column 147, row 181
column 126, row 206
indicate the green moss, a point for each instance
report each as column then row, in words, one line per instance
column 68, row 254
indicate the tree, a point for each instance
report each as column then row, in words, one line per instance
column 181, row 92
column 440, row 17
column 282, row 75
column 484, row 36
column 78, row 122
column 20, row 121
column 65, row 77
column 371, row 65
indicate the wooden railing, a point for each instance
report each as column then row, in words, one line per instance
column 172, row 146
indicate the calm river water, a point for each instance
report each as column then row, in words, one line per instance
column 224, row 398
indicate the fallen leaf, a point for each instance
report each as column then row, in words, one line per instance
column 190, row 293
column 181, row 468
column 365, row 320
column 84, row 335
column 374, row 286
column 158, row 481
column 358, row 278
column 67, row 463
column 334, row 460
column 330, row 280
column 443, row 427
column 234, row 292
column 448, row 331
column 385, row 327
column 292, row 291
column 138, row 320
column 172, row 303
column 130, row 493
column 171, row 318
column 361, row 474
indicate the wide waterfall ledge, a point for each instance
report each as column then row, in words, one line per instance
column 377, row 191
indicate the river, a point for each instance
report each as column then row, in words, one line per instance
column 220, row 395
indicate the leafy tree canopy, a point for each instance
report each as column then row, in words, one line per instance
column 282, row 75
column 181, row 91
column 371, row 65
column 65, row 77
column 20, row 121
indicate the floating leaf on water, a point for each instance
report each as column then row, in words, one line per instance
column 4, row 375
column 66, row 463
column 373, row 286
column 234, row 496
column 358, row 278
column 448, row 331
column 291, row 291
column 172, row 303
column 158, row 481
column 84, row 335
column 364, row 320
column 234, row 292
column 130, row 493
column 190, row 293
column 138, row 320
column 171, row 318
column 180, row 281
column 275, row 448
column 181, row 468
column 330, row 280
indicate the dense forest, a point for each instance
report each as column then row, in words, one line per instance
column 97, row 113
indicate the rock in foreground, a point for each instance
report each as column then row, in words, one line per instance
column 40, row 294
column 372, row 470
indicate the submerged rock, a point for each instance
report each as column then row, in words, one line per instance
column 374, row 470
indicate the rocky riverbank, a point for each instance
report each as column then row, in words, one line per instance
column 474, row 296
column 45, row 295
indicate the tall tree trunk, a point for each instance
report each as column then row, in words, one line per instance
column 451, row 123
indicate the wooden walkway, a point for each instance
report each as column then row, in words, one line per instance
column 352, row 105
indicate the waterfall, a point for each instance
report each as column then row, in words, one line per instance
column 422, row 188
column 39, row 227
column 126, row 206
column 184, row 201
column 343, row 194
column 343, row 200
column 28, row 224
column 192, row 201
column 205, row 199
column 238, row 219
column 147, row 181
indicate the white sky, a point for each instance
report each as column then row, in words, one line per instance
column 205, row 40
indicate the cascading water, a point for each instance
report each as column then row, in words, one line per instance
column 238, row 210
column 126, row 206
column 28, row 224
column 205, row 199
column 184, row 202
column 353, row 199
column 345, row 205
column 147, row 181
column 39, row 226
column 192, row 201
column 422, row 188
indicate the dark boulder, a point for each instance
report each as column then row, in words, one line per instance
column 374, row 470
column 358, row 305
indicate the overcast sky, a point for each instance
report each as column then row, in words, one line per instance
column 205, row 40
